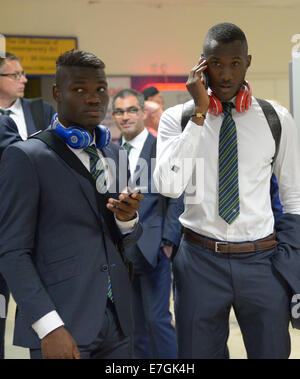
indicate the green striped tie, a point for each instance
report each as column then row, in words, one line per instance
column 5, row 112
column 127, row 146
column 98, row 172
column 229, row 207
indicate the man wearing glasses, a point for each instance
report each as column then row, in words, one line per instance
column 154, row 335
column 26, row 113
column 19, row 118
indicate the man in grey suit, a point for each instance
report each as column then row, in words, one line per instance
column 154, row 335
column 25, row 117
column 61, row 239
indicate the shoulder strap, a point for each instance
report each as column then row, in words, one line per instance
column 57, row 145
column 273, row 121
column 187, row 111
column 37, row 111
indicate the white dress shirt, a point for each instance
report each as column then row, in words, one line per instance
column 52, row 320
column 188, row 161
column 17, row 115
column 137, row 144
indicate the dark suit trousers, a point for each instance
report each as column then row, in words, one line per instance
column 154, row 335
column 208, row 284
column 109, row 344
column 5, row 292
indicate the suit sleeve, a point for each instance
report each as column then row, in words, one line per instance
column 19, row 209
column 8, row 133
column 172, row 226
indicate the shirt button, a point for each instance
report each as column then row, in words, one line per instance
column 104, row 268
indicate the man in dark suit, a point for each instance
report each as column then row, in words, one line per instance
column 61, row 239
column 26, row 117
column 27, row 113
column 154, row 334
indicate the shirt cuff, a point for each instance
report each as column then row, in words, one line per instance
column 127, row 226
column 47, row 324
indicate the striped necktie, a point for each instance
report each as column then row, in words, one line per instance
column 127, row 146
column 97, row 168
column 98, row 172
column 5, row 112
column 229, row 207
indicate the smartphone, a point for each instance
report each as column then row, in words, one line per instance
column 205, row 75
column 137, row 190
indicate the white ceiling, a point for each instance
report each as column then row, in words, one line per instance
column 230, row 3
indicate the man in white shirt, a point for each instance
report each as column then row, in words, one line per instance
column 61, row 240
column 154, row 335
column 223, row 162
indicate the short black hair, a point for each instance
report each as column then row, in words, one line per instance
column 76, row 58
column 150, row 91
column 79, row 58
column 129, row 92
column 225, row 32
column 10, row 56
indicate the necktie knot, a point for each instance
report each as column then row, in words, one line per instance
column 5, row 112
column 92, row 151
column 127, row 146
column 227, row 107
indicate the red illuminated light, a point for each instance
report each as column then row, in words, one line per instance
column 166, row 86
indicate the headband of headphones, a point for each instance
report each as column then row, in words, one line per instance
column 242, row 103
column 79, row 138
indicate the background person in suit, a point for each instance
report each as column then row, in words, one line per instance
column 154, row 336
column 65, row 272
column 25, row 114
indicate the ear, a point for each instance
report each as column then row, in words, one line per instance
column 56, row 93
column 249, row 59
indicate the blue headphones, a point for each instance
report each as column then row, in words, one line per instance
column 79, row 138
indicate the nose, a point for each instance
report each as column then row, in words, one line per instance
column 226, row 74
column 24, row 79
column 93, row 98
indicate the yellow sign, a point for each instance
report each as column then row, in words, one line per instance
column 39, row 54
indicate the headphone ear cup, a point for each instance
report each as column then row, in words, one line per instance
column 78, row 138
column 244, row 98
column 215, row 105
column 240, row 101
column 102, row 136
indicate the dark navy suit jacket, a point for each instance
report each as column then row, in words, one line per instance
column 55, row 252
column 156, row 226
column 8, row 128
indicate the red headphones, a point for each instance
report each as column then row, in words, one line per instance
column 242, row 103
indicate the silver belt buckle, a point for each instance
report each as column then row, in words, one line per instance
column 217, row 244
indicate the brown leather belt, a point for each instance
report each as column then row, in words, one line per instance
column 227, row 247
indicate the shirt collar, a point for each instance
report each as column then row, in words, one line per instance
column 139, row 140
column 16, row 108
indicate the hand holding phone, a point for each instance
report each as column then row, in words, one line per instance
column 197, row 87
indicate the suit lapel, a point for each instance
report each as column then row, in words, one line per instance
column 31, row 128
column 144, row 158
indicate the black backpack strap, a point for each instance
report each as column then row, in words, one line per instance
column 56, row 144
column 37, row 112
column 187, row 111
column 162, row 200
column 273, row 121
